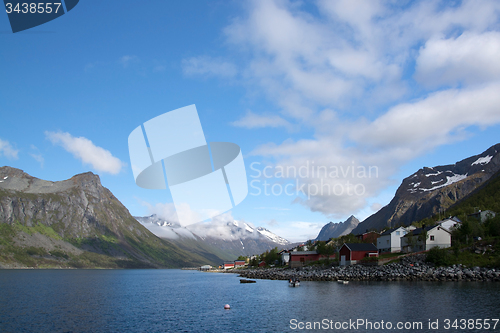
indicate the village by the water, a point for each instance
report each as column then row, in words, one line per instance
column 417, row 252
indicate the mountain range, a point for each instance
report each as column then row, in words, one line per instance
column 79, row 223
column 226, row 238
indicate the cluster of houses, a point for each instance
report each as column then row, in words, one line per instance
column 234, row 264
column 399, row 239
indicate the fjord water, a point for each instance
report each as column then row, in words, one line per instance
column 192, row 301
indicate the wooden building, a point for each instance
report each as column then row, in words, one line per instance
column 351, row 253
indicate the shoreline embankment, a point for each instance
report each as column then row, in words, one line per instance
column 413, row 268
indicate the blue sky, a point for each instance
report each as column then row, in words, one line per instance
column 341, row 84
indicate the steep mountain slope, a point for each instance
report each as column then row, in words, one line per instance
column 225, row 239
column 75, row 223
column 485, row 197
column 335, row 230
column 431, row 190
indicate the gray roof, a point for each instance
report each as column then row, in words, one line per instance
column 419, row 230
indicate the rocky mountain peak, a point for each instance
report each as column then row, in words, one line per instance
column 17, row 180
column 433, row 189
column 13, row 172
column 334, row 230
column 86, row 179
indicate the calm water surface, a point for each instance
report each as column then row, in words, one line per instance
column 191, row 301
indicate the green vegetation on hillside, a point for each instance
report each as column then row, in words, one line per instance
column 474, row 243
column 482, row 254
column 38, row 227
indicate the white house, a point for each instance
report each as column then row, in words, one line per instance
column 450, row 223
column 390, row 240
column 436, row 236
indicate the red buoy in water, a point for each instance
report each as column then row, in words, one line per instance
column 227, row 307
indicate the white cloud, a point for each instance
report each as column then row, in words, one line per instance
column 367, row 78
column 204, row 65
column 252, row 120
column 351, row 53
column 165, row 211
column 324, row 176
column 432, row 121
column 7, row 150
column 402, row 133
column 309, row 60
column 470, row 58
column 83, row 149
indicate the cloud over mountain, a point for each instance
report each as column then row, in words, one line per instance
column 83, row 149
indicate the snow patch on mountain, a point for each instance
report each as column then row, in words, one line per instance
column 449, row 180
column 433, row 174
column 248, row 228
column 483, row 160
column 275, row 238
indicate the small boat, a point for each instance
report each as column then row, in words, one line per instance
column 247, row 281
column 343, row 281
column 293, row 282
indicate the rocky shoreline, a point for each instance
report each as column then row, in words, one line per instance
column 412, row 268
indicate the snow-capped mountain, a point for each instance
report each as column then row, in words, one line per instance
column 430, row 190
column 272, row 237
column 224, row 237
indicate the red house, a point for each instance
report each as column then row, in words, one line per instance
column 350, row 253
column 228, row 264
column 239, row 263
column 262, row 264
column 300, row 258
